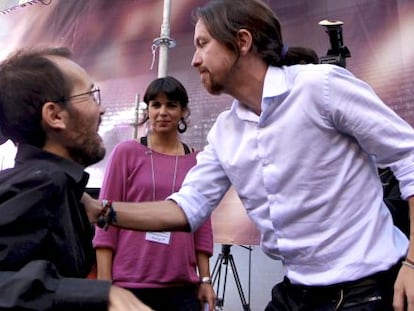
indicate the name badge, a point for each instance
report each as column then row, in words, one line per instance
column 158, row 237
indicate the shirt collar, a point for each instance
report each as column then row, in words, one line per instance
column 27, row 153
column 275, row 82
column 274, row 85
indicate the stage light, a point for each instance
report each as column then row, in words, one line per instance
column 338, row 52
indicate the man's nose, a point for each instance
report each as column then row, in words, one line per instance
column 195, row 61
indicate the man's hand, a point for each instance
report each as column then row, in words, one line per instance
column 404, row 290
column 123, row 300
column 92, row 207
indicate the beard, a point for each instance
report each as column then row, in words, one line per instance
column 217, row 86
column 84, row 147
column 87, row 153
column 82, row 142
column 212, row 86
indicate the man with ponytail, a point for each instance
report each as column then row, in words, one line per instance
column 301, row 145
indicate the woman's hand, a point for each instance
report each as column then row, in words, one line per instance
column 206, row 294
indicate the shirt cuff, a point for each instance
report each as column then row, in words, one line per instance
column 194, row 207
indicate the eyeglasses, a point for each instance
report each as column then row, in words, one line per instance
column 95, row 92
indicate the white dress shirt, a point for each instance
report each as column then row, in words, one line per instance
column 306, row 173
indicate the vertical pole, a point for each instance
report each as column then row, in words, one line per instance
column 138, row 112
column 164, row 40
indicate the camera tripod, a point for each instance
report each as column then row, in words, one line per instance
column 224, row 259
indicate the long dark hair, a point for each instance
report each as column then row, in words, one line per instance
column 224, row 18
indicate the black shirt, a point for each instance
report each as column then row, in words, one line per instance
column 45, row 236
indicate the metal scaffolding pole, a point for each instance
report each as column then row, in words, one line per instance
column 164, row 42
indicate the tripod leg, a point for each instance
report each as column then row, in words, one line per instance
column 216, row 276
column 217, row 265
column 223, row 259
column 246, row 306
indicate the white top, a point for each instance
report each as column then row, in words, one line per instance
column 305, row 170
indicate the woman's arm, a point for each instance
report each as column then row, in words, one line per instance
column 205, row 292
column 104, row 263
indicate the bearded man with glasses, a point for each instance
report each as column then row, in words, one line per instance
column 50, row 108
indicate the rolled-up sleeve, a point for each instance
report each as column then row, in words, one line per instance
column 204, row 185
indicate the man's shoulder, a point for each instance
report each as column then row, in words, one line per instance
column 313, row 78
column 314, row 70
column 31, row 172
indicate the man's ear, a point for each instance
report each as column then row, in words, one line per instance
column 245, row 41
column 54, row 116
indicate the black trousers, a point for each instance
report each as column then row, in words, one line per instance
column 179, row 298
column 374, row 292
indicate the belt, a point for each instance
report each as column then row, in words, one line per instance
column 377, row 278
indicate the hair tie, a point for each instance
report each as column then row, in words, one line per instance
column 283, row 53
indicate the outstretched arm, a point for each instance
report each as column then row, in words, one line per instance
column 143, row 216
